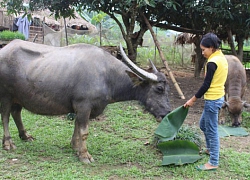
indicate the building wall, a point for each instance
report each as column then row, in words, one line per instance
column 36, row 34
column 6, row 21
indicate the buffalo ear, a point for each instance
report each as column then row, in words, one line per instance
column 137, row 80
column 246, row 105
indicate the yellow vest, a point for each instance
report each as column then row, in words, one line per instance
column 217, row 88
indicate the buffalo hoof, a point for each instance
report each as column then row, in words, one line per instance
column 26, row 137
column 86, row 160
column 8, row 144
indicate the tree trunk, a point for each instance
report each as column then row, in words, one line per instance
column 66, row 33
column 231, row 42
column 100, row 25
column 240, row 42
column 200, row 60
column 133, row 41
column 132, row 52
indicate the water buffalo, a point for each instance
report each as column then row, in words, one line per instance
column 235, row 88
column 81, row 79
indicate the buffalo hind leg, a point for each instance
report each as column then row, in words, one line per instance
column 75, row 138
column 7, row 142
column 16, row 114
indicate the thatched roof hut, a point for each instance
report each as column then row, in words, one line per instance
column 47, row 17
column 79, row 21
column 184, row 38
column 48, row 30
column 44, row 24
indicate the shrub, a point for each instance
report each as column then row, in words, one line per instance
column 10, row 35
column 189, row 133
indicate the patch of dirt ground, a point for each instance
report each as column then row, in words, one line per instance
column 189, row 85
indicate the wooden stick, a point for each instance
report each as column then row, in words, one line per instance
column 162, row 57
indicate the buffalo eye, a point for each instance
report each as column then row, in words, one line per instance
column 160, row 89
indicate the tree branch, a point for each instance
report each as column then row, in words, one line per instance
column 179, row 29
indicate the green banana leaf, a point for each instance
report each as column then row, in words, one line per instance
column 179, row 152
column 171, row 123
column 176, row 152
column 225, row 131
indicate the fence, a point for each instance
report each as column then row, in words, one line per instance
column 246, row 56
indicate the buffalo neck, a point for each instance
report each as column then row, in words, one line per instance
column 124, row 90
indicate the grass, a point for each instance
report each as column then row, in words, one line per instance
column 246, row 119
column 117, row 145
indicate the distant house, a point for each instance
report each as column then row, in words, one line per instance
column 6, row 21
column 45, row 29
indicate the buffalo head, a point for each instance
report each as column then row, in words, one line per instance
column 153, row 88
column 235, row 107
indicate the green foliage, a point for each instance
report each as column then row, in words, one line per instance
column 246, row 119
column 84, row 39
column 98, row 18
column 191, row 134
column 13, row 7
column 247, row 65
column 196, row 16
column 246, row 46
column 10, row 35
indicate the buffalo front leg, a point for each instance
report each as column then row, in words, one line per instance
column 7, row 142
column 222, row 116
column 79, row 139
column 75, row 138
column 16, row 114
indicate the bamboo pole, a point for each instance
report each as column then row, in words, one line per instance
column 163, row 58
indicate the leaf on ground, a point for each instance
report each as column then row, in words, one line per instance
column 225, row 131
column 179, row 152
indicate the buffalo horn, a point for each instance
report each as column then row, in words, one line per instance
column 153, row 66
column 140, row 72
